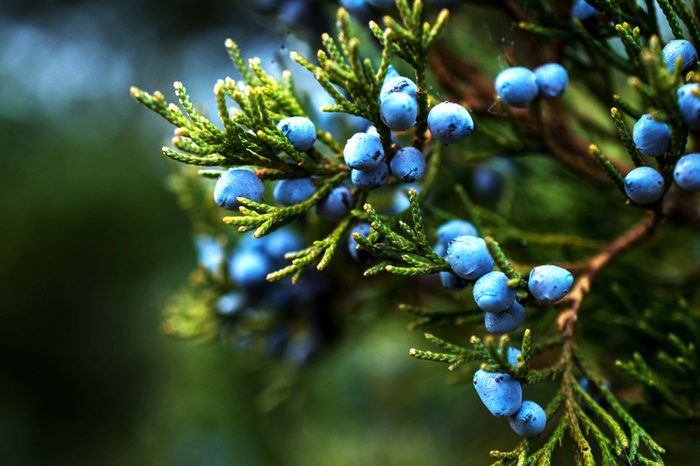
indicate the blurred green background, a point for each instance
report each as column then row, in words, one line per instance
column 92, row 244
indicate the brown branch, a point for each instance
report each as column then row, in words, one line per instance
column 465, row 82
column 634, row 235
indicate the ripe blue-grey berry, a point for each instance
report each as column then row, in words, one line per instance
column 683, row 49
column 391, row 72
column 687, row 172
column 370, row 179
column 408, row 165
column 651, row 136
column 290, row 192
column 336, row 205
column 512, row 355
column 355, row 6
column 363, row 151
column 450, row 281
column 469, row 257
column 689, row 103
column 506, row 321
column 373, row 131
column 249, row 268
column 492, row 293
column 486, row 183
column 280, row 242
column 300, row 131
column 529, row 421
column 549, row 283
column 450, row 122
column 230, row 303
column 582, row 11
column 517, row 86
column 235, row 183
column 358, row 254
column 399, row 111
column 210, row 253
column 400, row 201
column 397, row 85
column 500, row 393
column 552, row 80
column 454, row 228
column 644, row 185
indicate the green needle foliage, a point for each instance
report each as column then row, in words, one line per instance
column 658, row 352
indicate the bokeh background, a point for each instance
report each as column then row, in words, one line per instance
column 92, row 244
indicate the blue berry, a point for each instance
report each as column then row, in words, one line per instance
column 517, row 86
column 358, row 254
column 506, row 321
column 290, row 192
column 400, row 201
column 687, row 172
column 549, row 283
column 373, row 132
column 370, row 179
column 582, row 11
column 450, row 281
column 486, row 183
column 552, row 80
column 280, row 242
column 363, row 152
column 300, row 131
column 408, row 165
column 683, row 49
column 210, row 254
column 454, row 228
column 500, row 393
column 512, row 356
column 689, row 104
column 391, row 72
column 235, row 183
column 249, row 268
column 399, row 111
column 593, row 390
column 336, row 205
column 492, row 293
column 397, row 85
column 229, row 303
column 529, row 421
column 469, row 257
column 651, row 137
column 644, row 185
column 450, row 122
column 355, row 6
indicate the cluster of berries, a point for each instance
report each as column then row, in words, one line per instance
column 503, row 397
column 243, row 182
column 470, row 260
column 645, row 185
column 247, row 267
column 518, row 86
column 365, row 154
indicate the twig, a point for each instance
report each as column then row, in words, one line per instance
column 638, row 232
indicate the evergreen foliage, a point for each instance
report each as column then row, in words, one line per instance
column 581, row 154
